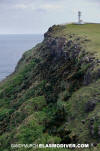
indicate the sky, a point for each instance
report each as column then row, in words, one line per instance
column 36, row 16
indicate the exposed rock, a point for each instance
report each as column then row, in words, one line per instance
column 87, row 78
column 56, row 45
column 92, row 121
column 83, row 121
column 98, row 61
column 90, row 105
column 69, row 43
column 94, row 144
column 50, row 30
column 78, row 38
column 92, row 130
column 99, row 131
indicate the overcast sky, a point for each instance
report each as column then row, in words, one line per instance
column 35, row 16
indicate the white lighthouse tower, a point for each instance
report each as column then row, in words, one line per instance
column 79, row 18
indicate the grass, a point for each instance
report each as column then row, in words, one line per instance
column 89, row 31
column 76, row 110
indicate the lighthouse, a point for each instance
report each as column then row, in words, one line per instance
column 79, row 18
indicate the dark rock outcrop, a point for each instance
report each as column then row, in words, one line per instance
column 90, row 105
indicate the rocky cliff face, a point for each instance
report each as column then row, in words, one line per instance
column 53, row 95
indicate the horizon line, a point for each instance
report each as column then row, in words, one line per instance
column 21, row 33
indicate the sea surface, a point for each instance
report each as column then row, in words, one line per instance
column 11, row 49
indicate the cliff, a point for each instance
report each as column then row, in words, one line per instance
column 53, row 95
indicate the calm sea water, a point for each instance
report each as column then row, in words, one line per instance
column 11, row 49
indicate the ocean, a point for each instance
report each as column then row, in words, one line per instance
column 12, row 48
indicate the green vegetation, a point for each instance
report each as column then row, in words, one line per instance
column 53, row 97
column 89, row 31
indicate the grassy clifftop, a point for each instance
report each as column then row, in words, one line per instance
column 53, row 95
column 89, row 31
